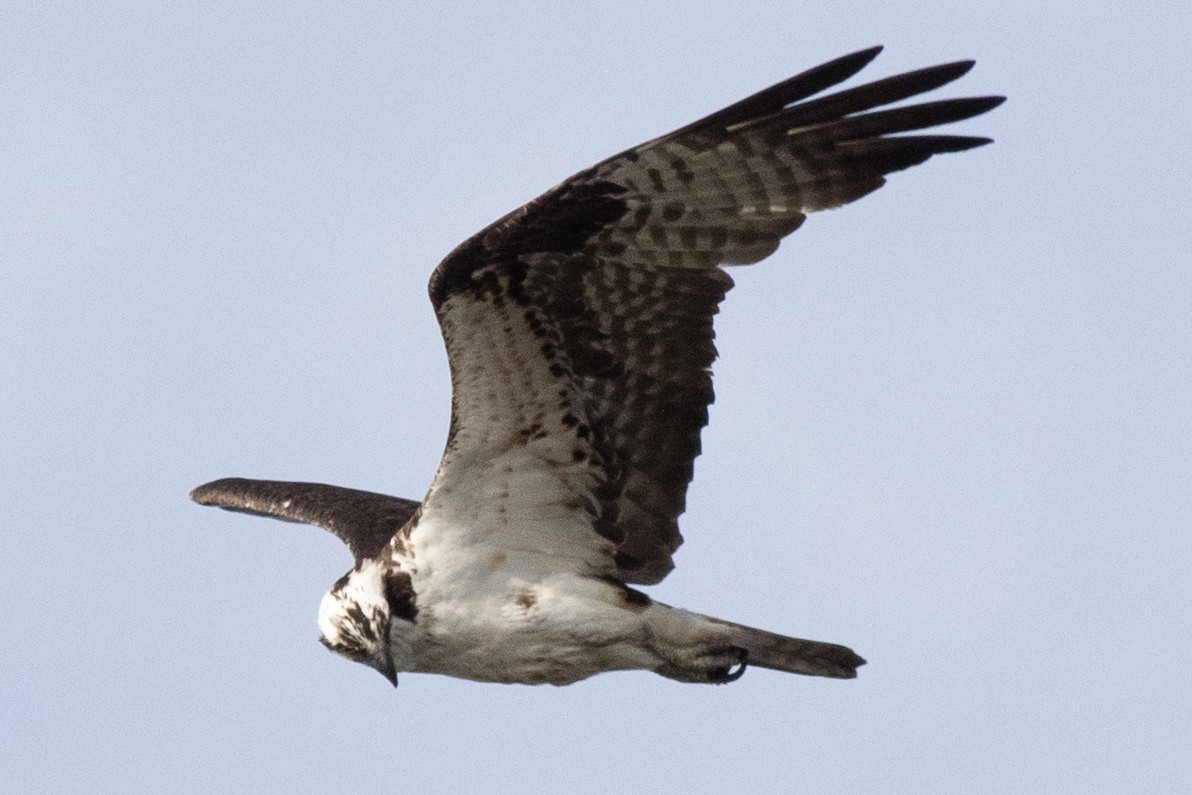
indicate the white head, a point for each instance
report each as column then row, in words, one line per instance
column 358, row 615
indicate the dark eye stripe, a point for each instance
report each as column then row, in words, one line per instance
column 399, row 593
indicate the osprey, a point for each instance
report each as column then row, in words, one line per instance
column 579, row 334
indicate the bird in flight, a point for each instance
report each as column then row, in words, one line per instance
column 579, row 334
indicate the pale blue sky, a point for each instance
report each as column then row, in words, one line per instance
column 953, row 426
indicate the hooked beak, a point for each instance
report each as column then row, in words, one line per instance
column 389, row 671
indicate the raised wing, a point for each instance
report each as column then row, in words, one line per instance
column 579, row 327
column 363, row 520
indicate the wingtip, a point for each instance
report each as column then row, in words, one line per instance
column 210, row 493
column 201, row 494
column 943, row 144
column 830, row 73
column 958, row 68
column 867, row 54
column 854, row 61
column 953, row 110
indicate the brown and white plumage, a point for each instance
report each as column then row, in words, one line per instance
column 579, row 334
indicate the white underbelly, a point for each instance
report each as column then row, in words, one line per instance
column 557, row 631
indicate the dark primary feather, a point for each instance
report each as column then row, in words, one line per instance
column 623, row 261
column 779, row 95
column 364, row 520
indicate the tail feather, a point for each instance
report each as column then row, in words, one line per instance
column 794, row 655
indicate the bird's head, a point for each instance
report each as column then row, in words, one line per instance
column 358, row 616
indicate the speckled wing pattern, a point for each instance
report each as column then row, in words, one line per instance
column 579, row 327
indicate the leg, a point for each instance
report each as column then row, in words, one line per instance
column 691, row 648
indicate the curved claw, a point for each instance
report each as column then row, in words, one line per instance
column 722, row 676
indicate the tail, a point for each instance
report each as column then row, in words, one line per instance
column 794, row 655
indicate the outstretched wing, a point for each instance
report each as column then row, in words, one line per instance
column 364, row 520
column 579, row 327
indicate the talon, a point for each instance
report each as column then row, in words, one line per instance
column 723, row 676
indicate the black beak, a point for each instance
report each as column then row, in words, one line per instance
column 389, row 671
